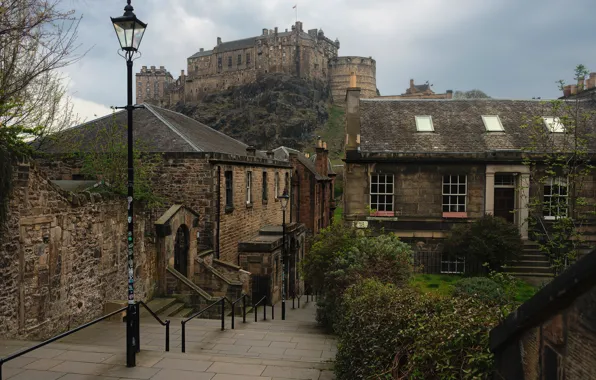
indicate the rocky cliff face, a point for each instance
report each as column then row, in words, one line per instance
column 276, row 110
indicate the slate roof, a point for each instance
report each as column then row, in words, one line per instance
column 283, row 154
column 388, row 125
column 237, row 44
column 155, row 128
column 201, row 54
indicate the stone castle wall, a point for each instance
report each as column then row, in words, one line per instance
column 341, row 69
column 63, row 255
column 306, row 55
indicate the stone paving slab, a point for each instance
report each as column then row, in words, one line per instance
column 291, row 349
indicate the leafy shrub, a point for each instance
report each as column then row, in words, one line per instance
column 482, row 288
column 490, row 240
column 336, row 264
column 385, row 332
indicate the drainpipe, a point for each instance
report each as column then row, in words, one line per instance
column 218, row 211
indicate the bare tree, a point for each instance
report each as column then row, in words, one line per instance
column 37, row 39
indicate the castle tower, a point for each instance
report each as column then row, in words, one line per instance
column 341, row 70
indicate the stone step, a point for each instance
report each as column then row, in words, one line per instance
column 529, row 270
column 542, row 259
column 185, row 312
column 528, row 274
column 532, row 263
column 158, row 305
column 172, row 310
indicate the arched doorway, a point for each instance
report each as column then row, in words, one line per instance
column 181, row 246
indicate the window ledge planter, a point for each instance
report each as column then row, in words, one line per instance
column 460, row 215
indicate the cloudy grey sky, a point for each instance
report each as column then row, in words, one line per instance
column 507, row 48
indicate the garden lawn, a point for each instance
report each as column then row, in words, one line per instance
column 338, row 214
column 443, row 284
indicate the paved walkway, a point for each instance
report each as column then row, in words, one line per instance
column 292, row 349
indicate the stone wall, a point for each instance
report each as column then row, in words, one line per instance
column 63, row 256
column 244, row 220
column 341, row 69
column 561, row 346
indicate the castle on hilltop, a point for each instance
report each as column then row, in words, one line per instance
column 307, row 55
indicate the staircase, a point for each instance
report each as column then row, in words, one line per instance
column 533, row 265
column 167, row 308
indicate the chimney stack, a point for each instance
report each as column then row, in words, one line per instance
column 270, row 154
column 411, row 83
column 201, row 50
column 580, row 85
column 321, row 158
column 352, row 141
column 265, row 31
column 218, row 41
column 567, row 90
column 573, row 89
column 449, row 94
column 251, row 151
column 275, row 30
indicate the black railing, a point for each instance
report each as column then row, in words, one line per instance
column 221, row 301
column 255, row 308
column 58, row 337
column 233, row 304
column 436, row 262
column 166, row 324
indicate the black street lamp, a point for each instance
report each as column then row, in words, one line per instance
column 284, row 203
column 130, row 32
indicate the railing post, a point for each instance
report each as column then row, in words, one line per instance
column 265, row 310
column 272, row 311
column 243, row 310
column 299, row 301
column 167, row 336
column 233, row 315
column 1, row 362
column 138, row 327
column 293, row 298
column 223, row 307
column 255, row 309
column 183, row 337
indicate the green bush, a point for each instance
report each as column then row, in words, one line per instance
column 334, row 264
column 482, row 288
column 386, row 331
column 489, row 239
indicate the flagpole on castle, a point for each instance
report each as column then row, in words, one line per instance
column 296, row 8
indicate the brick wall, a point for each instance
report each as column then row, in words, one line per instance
column 63, row 255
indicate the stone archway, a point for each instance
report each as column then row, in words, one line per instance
column 177, row 233
column 181, row 248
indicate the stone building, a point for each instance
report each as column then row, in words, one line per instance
column 305, row 54
column 417, row 91
column 312, row 186
column 219, row 204
column 553, row 334
column 153, row 84
column 417, row 167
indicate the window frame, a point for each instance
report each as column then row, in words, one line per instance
column 453, row 263
column 458, row 213
column 230, row 61
column 265, row 189
column 248, row 187
column 421, row 117
column 247, row 58
column 485, row 118
column 239, row 60
column 276, row 185
column 547, row 204
column 554, row 126
column 385, row 194
column 229, row 188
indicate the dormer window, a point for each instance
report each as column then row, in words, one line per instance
column 424, row 124
column 554, row 124
column 492, row 123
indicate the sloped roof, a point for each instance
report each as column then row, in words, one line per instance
column 283, row 154
column 155, row 129
column 201, row 54
column 389, row 125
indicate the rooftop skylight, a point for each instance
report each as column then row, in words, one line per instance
column 492, row 123
column 424, row 124
column 554, row 124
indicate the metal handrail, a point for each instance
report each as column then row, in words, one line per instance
column 243, row 298
column 221, row 301
column 57, row 337
column 166, row 324
column 256, row 305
